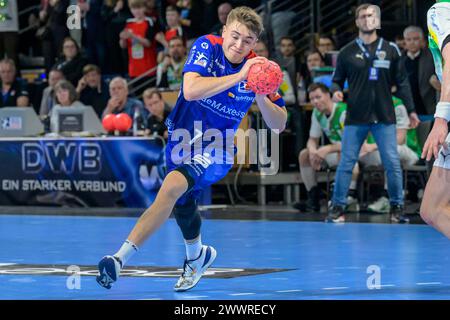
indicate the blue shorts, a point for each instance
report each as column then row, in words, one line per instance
column 201, row 171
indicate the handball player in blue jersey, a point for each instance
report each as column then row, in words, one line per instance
column 213, row 98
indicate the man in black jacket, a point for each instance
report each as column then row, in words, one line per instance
column 372, row 67
column 422, row 77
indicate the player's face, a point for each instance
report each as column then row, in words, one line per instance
column 413, row 42
column 319, row 100
column 238, row 41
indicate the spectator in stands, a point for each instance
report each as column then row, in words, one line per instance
column 53, row 29
column 94, row 32
column 72, row 62
column 48, row 96
column 400, row 42
column 314, row 60
column 14, row 92
column 372, row 66
column 139, row 37
column 93, row 91
column 170, row 70
column 9, row 31
column 325, row 44
column 407, row 146
column 327, row 118
column 120, row 102
column 222, row 11
column 151, row 11
column 158, row 113
column 287, row 58
column 174, row 26
column 66, row 96
column 115, row 14
column 422, row 78
column 198, row 16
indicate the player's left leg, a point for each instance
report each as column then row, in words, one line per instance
column 201, row 173
column 199, row 257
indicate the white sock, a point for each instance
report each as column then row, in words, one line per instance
column 125, row 252
column 353, row 185
column 193, row 248
column 308, row 175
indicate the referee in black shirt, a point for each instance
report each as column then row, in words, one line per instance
column 372, row 67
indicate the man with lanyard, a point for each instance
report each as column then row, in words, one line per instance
column 372, row 67
column 435, row 209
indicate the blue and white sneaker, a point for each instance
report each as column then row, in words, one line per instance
column 109, row 268
column 194, row 269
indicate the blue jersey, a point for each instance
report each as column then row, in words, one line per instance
column 222, row 113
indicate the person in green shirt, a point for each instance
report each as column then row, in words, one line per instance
column 327, row 118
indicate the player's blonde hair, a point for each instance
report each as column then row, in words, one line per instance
column 248, row 17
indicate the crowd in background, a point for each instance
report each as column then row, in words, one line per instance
column 127, row 49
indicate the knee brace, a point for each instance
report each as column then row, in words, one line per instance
column 188, row 219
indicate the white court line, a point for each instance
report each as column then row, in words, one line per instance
column 242, row 294
column 282, row 291
column 428, row 283
column 195, row 297
column 7, row 264
column 387, row 285
column 335, row 288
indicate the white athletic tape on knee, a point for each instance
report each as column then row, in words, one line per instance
column 443, row 110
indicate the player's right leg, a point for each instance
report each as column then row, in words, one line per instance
column 435, row 207
column 174, row 186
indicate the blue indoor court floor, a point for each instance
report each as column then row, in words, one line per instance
column 256, row 260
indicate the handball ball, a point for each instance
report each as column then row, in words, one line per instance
column 122, row 122
column 108, row 122
column 265, row 78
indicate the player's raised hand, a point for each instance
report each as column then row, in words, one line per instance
column 435, row 140
column 246, row 68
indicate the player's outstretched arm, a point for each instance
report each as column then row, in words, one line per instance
column 197, row 87
column 439, row 132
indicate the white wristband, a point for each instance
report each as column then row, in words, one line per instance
column 443, row 111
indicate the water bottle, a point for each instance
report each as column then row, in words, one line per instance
column 301, row 91
column 137, row 121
